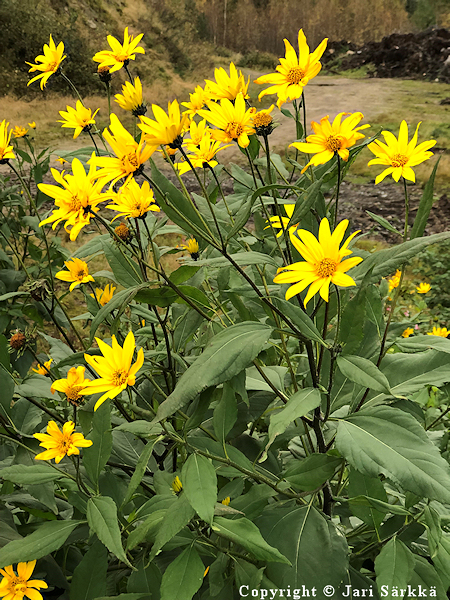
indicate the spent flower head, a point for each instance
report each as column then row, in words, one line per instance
column 50, row 62
column 59, row 443
column 399, row 154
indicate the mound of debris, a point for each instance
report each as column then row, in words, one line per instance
column 423, row 55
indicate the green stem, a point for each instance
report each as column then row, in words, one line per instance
column 64, row 76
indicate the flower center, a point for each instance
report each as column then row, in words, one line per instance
column 136, row 209
column 75, row 204
column 234, row 130
column 119, row 377
column 81, row 274
column 52, row 66
column 295, row 75
column 334, row 143
column 65, row 445
column 121, row 57
column 130, row 162
column 399, row 160
column 72, row 392
column 20, row 586
column 262, row 119
column 326, row 268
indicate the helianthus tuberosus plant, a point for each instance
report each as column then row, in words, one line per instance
column 263, row 419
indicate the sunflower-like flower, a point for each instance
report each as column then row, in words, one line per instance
column 120, row 54
column 76, row 200
column 197, row 132
column 72, row 385
column 79, row 118
column 50, row 62
column 423, row 288
column 44, row 369
column 59, row 444
column 177, row 486
column 192, row 247
column 197, row 101
column 332, row 138
column 293, row 72
column 114, row 368
column 226, row 501
column 131, row 98
column 440, row 331
column 400, row 155
column 19, row 131
column 233, row 120
column 32, row 125
column 323, row 263
column 202, row 155
column 134, row 201
column 282, row 224
column 14, row 586
column 103, row 296
column 130, row 155
column 78, row 273
column 394, row 281
column 167, row 128
column 227, row 86
column 408, row 332
column 6, row 150
column 263, row 121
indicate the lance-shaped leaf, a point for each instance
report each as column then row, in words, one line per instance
column 96, row 456
column 312, row 471
column 363, row 371
column 89, row 578
column 389, row 441
column 183, row 577
column 420, row 343
column 426, row 202
column 300, row 320
column 228, row 353
column 140, row 469
column 125, row 270
column 177, row 516
column 102, row 519
column 305, row 202
column 200, row 485
column 30, row 474
column 393, row 567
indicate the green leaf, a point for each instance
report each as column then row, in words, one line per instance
column 140, row 469
column 383, row 222
column 389, row 441
column 309, row 473
column 360, row 485
column 299, row 405
column 124, row 597
column 225, row 413
column 317, row 552
column 177, row 516
column 182, row 274
column 200, row 485
column 102, row 519
column 364, row 372
column 183, row 577
column 146, row 530
column 96, row 456
column 420, row 343
column 300, row 319
column 241, row 259
column 426, row 202
column 7, row 388
column 442, row 560
column 89, row 578
column 93, row 246
column 125, row 270
column 426, row 576
column 145, row 579
column 433, row 523
column 45, row 539
column 384, row 262
column 30, row 474
column 378, row 505
column 228, row 353
column 393, row 567
column 287, row 113
column 246, row 534
column 305, row 202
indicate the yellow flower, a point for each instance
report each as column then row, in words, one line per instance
column 227, row 86
column 331, row 138
column 226, row 501
column 400, row 155
column 202, row 155
column 408, row 331
column 262, row 121
column 76, row 200
column 120, row 54
column 394, row 280
column 177, row 486
column 197, row 101
column 50, row 62
column 114, row 368
column 32, row 125
column 103, row 296
column 131, row 98
column 15, row 586
column 293, row 73
column 233, row 120
column 5, row 149
column 423, row 288
column 62, row 161
column 192, row 247
column 134, row 201
column 19, row 131
column 72, row 385
column 276, row 222
column 167, row 128
column 197, row 133
column 323, row 262
column 43, row 370
column 440, row 331
column 79, row 118
column 78, row 273
column 58, row 443
column 130, row 155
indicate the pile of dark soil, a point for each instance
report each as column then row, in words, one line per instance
column 423, row 55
